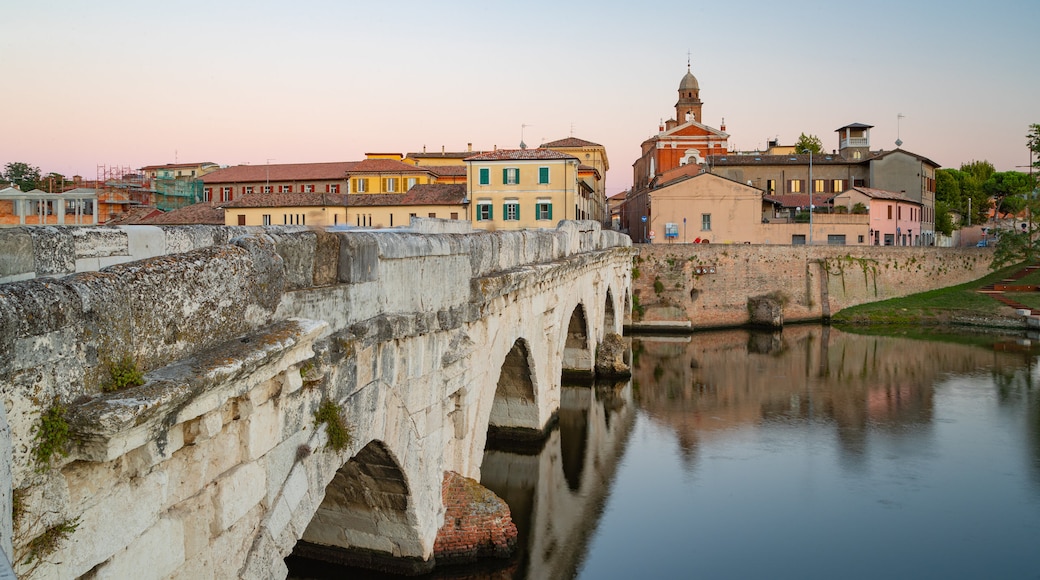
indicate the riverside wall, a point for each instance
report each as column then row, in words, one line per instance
column 700, row 286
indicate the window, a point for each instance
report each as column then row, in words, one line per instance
column 889, row 214
column 543, row 210
column 706, row 222
column 454, row 215
column 308, row 188
column 268, row 189
column 361, row 185
column 794, row 186
column 770, row 186
column 242, row 220
column 859, row 182
column 484, row 211
column 209, row 194
column 543, row 175
column 284, row 189
column 267, row 219
column 836, row 239
column 511, row 175
column 225, row 194
column 391, row 184
column 900, row 213
column 890, row 239
column 433, row 214
column 859, row 239
column 837, row 185
column 818, row 186
column 485, row 176
column 411, row 215
column 333, row 187
column 798, row 240
column 511, row 210
column 247, row 189
column 411, row 182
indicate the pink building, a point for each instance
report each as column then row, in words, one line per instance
column 895, row 219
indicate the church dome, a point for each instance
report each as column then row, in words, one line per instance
column 689, row 83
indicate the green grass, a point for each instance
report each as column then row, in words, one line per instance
column 935, row 306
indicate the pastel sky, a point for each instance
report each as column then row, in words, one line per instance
column 134, row 83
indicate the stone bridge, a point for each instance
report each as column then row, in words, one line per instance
column 216, row 465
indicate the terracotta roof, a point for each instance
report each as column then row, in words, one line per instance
column 447, row 170
column 800, row 159
column 385, row 166
column 443, row 155
column 798, row 199
column 582, row 168
column 569, row 142
column 884, row 194
column 422, row 194
column 136, row 215
column 176, row 165
column 287, row 200
column 520, row 155
column 280, row 172
column 199, row 213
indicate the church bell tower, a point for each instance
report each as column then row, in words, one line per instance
column 688, row 108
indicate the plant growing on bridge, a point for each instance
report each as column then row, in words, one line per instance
column 122, row 375
column 52, row 435
column 45, row 544
column 331, row 415
column 658, row 285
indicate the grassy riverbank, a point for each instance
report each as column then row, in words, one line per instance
column 954, row 305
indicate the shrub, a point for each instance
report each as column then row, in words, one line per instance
column 658, row 285
column 52, row 435
column 122, row 375
column 336, row 428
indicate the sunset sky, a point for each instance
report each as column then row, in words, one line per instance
column 121, row 83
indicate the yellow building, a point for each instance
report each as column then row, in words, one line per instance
column 178, row 170
column 386, row 173
column 592, row 156
column 525, row 188
column 434, row 200
column 295, row 209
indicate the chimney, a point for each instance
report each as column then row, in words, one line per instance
column 442, row 149
column 469, row 148
column 424, row 148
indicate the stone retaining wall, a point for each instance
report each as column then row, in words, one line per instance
column 709, row 285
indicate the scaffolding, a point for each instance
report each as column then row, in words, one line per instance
column 170, row 194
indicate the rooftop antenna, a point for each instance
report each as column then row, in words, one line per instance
column 899, row 142
column 572, row 129
column 688, row 60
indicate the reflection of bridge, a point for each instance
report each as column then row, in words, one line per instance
column 555, row 495
column 216, row 465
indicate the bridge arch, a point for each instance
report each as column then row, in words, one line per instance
column 609, row 314
column 577, row 355
column 366, row 514
column 514, row 406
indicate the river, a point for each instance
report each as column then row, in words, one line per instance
column 811, row 453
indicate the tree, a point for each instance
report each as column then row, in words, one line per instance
column 943, row 220
column 1009, row 190
column 808, row 143
column 25, row 176
column 1033, row 141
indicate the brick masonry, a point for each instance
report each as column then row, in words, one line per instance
column 477, row 523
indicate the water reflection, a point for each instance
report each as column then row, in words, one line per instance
column 555, row 495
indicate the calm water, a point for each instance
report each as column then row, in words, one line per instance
column 808, row 454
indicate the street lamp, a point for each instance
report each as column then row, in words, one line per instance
column 809, row 151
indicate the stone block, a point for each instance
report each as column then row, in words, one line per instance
column 156, row 554
column 16, row 256
column 297, row 252
column 238, row 491
column 144, row 242
column 100, row 241
column 195, row 515
column 358, row 258
column 262, row 432
column 54, row 250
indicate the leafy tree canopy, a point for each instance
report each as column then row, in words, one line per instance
column 1009, row 189
column 25, row 176
column 808, row 143
column 943, row 220
column 1033, row 142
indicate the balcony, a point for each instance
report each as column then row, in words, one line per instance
column 854, row 142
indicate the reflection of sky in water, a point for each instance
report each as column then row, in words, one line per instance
column 886, row 477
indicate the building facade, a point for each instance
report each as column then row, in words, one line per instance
column 525, row 188
column 593, row 169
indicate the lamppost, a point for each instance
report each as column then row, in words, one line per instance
column 811, row 187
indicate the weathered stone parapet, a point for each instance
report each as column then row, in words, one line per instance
column 113, row 424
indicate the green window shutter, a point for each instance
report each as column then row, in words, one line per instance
column 505, row 176
column 543, row 175
column 485, row 176
column 550, row 211
column 491, row 211
column 518, row 211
